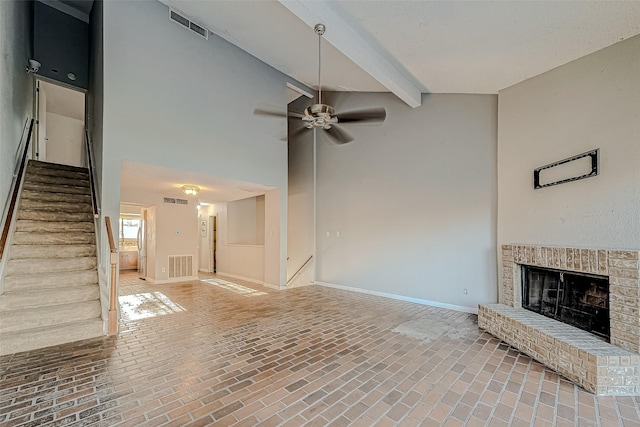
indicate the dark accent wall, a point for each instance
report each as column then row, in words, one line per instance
column 61, row 45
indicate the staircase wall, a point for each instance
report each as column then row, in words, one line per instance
column 16, row 86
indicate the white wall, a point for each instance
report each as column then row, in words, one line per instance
column 260, row 207
column 65, row 140
column 414, row 200
column 274, row 249
column 243, row 261
column 175, row 100
column 245, row 221
column 241, row 221
column 593, row 102
column 16, row 86
column 176, row 234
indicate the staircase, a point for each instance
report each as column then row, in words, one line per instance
column 51, row 293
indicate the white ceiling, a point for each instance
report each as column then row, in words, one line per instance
column 433, row 46
column 403, row 47
column 143, row 184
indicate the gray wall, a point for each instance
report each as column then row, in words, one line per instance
column 301, row 232
column 95, row 100
column 175, row 100
column 414, row 200
column 593, row 102
column 16, row 86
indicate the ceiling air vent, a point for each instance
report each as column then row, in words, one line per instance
column 185, row 22
column 174, row 201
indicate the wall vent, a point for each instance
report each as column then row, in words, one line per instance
column 174, row 201
column 187, row 23
column 180, row 266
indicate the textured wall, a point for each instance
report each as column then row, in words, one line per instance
column 593, row 102
column 413, row 199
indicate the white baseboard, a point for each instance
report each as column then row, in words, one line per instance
column 174, row 280
column 275, row 287
column 246, row 279
column 299, row 285
column 473, row 310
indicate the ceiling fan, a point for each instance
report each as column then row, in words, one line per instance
column 323, row 116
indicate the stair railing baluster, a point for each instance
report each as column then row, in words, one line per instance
column 92, row 177
column 113, row 314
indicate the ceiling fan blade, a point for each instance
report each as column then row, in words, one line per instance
column 338, row 135
column 277, row 113
column 296, row 132
column 372, row 115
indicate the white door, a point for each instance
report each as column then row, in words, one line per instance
column 60, row 124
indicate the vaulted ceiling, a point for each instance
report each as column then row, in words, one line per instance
column 409, row 47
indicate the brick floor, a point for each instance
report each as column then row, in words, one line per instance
column 228, row 352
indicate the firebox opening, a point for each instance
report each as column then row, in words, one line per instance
column 580, row 300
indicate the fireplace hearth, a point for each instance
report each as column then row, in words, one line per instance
column 577, row 299
column 569, row 285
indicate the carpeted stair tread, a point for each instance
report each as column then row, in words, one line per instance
column 45, row 206
column 71, row 238
column 15, row 342
column 56, row 216
column 55, row 180
column 22, row 267
column 48, row 280
column 31, row 226
column 55, row 197
column 37, row 164
column 81, row 175
column 29, row 318
column 20, row 300
column 52, row 251
column 50, row 188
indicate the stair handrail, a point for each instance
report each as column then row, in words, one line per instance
column 92, row 177
column 300, row 269
column 113, row 314
column 14, row 191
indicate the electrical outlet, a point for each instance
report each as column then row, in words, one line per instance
column 164, row 270
column 328, row 234
column 465, row 291
column 337, row 233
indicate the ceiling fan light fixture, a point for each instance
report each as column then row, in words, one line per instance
column 319, row 116
column 323, row 116
column 190, row 190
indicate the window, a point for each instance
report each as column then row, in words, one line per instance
column 129, row 232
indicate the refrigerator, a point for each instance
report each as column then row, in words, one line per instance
column 142, row 246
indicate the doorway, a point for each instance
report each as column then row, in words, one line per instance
column 60, row 129
column 213, row 226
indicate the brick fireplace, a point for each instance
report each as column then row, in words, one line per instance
column 600, row 367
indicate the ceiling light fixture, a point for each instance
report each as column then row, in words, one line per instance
column 190, row 190
column 33, row 66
